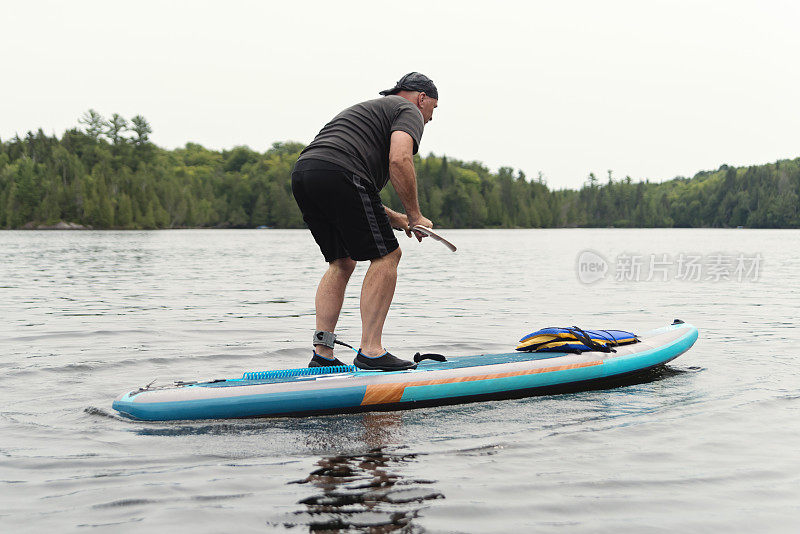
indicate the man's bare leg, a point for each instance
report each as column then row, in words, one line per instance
column 330, row 296
column 376, row 297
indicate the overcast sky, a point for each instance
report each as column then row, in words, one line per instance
column 651, row 89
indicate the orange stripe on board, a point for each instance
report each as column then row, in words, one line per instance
column 386, row 393
column 383, row 393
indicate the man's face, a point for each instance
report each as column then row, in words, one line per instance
column 426, row 105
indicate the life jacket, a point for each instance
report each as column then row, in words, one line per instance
column 574, row 339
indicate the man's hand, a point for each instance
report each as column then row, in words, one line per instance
column 398, row 221
column 419, row 221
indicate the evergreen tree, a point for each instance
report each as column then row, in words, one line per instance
column 95, row 124
column 142, row 130
column 124, row 213
column 115, row 129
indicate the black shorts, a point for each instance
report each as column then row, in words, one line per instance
column 343, row 212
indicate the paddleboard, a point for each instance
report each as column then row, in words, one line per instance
column 460, row 379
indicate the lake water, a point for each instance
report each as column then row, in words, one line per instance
column 710, row 445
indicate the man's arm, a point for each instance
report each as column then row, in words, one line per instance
column 404, row 177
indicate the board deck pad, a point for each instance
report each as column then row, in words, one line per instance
column 455, row 362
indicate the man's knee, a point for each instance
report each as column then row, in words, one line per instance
column 392, row 258
column 343, row 266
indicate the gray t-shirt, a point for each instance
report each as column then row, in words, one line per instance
column 358, row 138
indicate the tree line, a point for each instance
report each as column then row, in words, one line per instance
column 106, row 173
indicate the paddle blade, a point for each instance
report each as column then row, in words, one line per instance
column 430, row 233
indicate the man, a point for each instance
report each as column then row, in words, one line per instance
column 336, row 182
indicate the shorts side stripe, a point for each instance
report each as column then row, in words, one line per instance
column 370, row 213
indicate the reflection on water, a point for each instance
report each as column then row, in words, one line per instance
column 365, row 491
